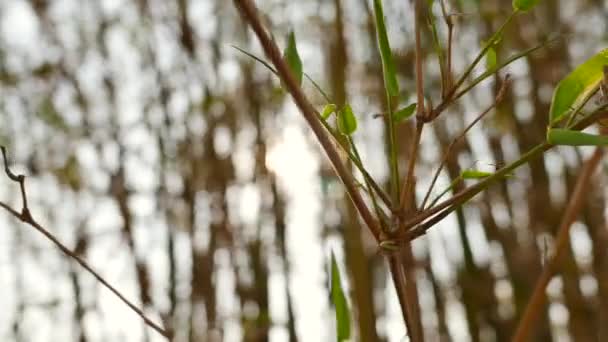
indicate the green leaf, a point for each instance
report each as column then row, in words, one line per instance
column 475, row 174
column 292, row 58
column 339, row 301
column 388, row 66
column 566, row 137
column 328, row 110
column 404, row 113
column 347, row 122
column 577, row 86
column 491, row 58
column 524, row 5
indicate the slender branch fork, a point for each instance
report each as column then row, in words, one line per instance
column 26, row 216
column 418, row 221
column 498, row 99
column 250, row 14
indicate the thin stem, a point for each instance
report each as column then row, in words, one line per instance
column 466, row 194
column 26, row 217
column 450, row 187
column 418, row 63
column 408, row 186
column 406, row 203
column 394, row 163
column 358, row 163
column 381, row 215
column 473, row 190
column 494, row 70
column 438, row 52
column 383, row 196
column 451, row 97
column 498, row 99
column 483, row 51
column 536, row 303
column 450, row 24
column 250, row 14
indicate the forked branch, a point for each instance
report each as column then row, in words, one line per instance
column 26, row 217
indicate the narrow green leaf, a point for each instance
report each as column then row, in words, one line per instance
column 566, row 137
column 475, row 174
column 256, row 58
column 292, row 58
column 328, row 110
column 404, row 113
column 388, row 66
column 347, row 122
column 574, row 89
column 339, row 301
column 524, row 5
column 491, row 58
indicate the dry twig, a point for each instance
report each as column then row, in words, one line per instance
column 26, row 216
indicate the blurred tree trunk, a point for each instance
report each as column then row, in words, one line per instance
column 356, row 258
column 596, row 227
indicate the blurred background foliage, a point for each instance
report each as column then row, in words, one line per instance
column 183, row 172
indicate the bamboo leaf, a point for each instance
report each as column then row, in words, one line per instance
column 524, row 5
column 475, row 174
column 404, row 113
column 388, row 66
column 292, row 58
column 328, row 110
column 491, row 58
column 347, row 122
column 339, row 301
column 566, row 137
column 577, row 86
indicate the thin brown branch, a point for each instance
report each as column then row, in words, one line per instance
column 536, row 303
column 406, row 200
column 450, row 23
column 420, row 113
column 446, row 155
column 398, row 275
column 26, row 217
column 250, row 14
column 466, row 194
column 408, row 185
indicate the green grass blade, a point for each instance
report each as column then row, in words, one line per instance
column 475, row 174
column 292, row 58
column 339, row 300
column 575, row 88
column 388, row 66
column 566, row 137
column 504, row 64
column 257, row 59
